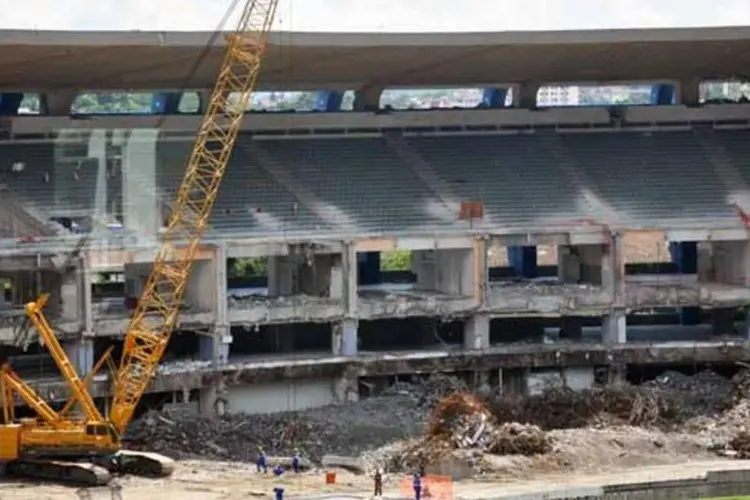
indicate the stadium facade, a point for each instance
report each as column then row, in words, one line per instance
column 322, row 195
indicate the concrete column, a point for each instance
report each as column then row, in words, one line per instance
column 367, row 98
column 424, row 266
column 58, row 103
column 141, row 203
column 98, row 153
column 346, row 388
column 731, row 261
column 344, row 339
column 612, row 275
column 282, row 276
column 614, row 327
column 81, row 354
column 349, row 272
column 220, row 289
column 203, row 289
column 568, row 264
column 523, row 260
column 477, row 333
column 689, row 92
column 455, row 272
column 215, row 346
column 314, row 275
column 525, row 95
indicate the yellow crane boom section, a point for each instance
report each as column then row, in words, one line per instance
column 156, row 313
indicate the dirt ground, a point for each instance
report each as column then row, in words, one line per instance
column 588, row 452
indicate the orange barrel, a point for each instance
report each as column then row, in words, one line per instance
column 330, row 478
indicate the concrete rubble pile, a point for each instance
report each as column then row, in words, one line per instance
column 430, row 390
column 347, row 429
column 466, row 422
column 562, row 408
column 703, row 394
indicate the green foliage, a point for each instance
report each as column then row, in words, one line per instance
column 395, row 260
column 246, row 268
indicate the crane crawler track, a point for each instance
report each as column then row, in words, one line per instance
column 76, row 473
column 142, row 463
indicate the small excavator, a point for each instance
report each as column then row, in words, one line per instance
column 85, row 448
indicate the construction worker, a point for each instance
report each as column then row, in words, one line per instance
column 295, row 461
column 416, row 483
column 261, row 464
column 378, row 483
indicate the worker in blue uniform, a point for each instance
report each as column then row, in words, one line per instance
column 295, row 461
column 416, row 483
column 261, row 464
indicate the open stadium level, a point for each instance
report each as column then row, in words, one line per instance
column 587, row 241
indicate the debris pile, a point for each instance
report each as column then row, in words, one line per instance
column 704, row 394
column 741, row 383
column 347, row 429
column 559, row 407
column 430, row 390
column 740, row 445
column 464, row 422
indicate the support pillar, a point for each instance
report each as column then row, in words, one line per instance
column 81, row 354
column 282, row 276
column 141, row 203
column 367, row 99
column 424, row 266
column 455, row 272
column 58, row 103
column 344, row 335
column 689, row 94
column 612, row 275
column 525, row 95
column 477, row 333
column 344, row 338
column 523, row 260
column 685, row 256
column 731, row 260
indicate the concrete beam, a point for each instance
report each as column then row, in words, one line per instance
column 494, row 358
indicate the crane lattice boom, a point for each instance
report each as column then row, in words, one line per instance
column 156, row 313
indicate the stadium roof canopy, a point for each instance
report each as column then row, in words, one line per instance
column 46, row 60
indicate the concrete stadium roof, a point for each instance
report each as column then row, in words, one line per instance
column 47, row 60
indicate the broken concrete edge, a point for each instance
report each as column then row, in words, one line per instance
column 201, row 374
column 713, row 484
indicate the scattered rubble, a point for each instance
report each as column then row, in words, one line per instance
column 411, row 425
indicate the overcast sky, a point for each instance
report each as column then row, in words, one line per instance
column 378, row 15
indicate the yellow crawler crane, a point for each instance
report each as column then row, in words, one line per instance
column 84, row 449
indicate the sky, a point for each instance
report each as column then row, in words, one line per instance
column 378, row 15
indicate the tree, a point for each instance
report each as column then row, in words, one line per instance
column 395, row 260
